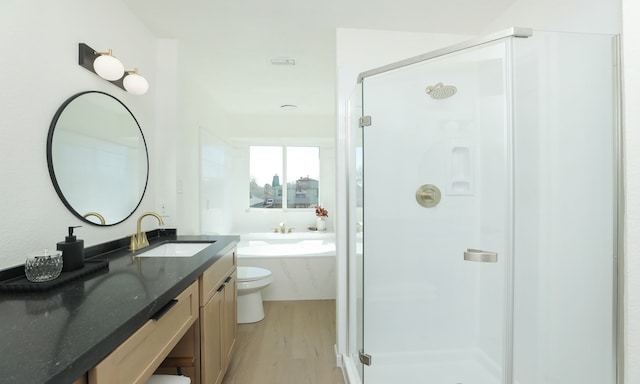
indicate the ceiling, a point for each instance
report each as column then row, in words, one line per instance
column 229, row 44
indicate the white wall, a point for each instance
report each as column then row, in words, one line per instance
column 216, row 189
column 164, row 168
column 40, row 70
column 196, row 112
column 234, row 133
column 592, row 16
column 631, row 62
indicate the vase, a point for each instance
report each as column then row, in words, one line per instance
column 321, row 224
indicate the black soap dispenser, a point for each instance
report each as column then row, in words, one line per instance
column 72, row 252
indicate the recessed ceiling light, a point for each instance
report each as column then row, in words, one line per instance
column 289, row 107
column 283, row 61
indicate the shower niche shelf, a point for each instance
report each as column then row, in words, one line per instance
column 459, row 169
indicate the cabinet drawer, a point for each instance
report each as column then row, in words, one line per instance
column 213, row 277
column 135, row 360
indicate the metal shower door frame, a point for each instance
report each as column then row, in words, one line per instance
column 511, row 32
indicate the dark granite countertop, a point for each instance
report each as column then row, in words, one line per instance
column 58, row 335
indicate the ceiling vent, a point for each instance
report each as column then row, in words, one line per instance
column 283, row 61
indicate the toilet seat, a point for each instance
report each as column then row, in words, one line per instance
column 252, row 273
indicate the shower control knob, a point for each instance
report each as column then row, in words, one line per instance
column 428, row 195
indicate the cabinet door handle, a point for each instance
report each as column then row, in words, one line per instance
column 220, row 288
column 156, row 316
column 228, row 279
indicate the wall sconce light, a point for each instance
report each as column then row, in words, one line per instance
column 134, row 83
column 108, row 67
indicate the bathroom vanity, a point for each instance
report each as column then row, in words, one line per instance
column 122, row 324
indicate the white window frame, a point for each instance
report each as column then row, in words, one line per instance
column 284, row 179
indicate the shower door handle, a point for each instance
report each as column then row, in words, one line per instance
column 480, row 256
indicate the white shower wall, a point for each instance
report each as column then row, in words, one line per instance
column 565, row 223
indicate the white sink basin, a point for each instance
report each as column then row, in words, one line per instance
column 175, row 250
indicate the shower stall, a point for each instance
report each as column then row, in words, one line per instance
column 483, row 210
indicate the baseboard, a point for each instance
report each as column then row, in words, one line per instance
column 339, row 361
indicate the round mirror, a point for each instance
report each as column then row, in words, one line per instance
column 97, row 158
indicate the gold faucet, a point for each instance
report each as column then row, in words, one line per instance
column 96, row 214
column 282, row 228
column 139, row 239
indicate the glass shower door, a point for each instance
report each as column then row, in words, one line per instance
column 437, row 216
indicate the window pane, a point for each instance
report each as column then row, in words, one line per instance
column 265, row 177
column 303, row 171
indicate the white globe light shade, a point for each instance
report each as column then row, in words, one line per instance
column 108, row 67
column 135, row 84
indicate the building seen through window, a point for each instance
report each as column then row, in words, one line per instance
column 268, row 187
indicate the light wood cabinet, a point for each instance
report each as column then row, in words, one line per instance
column 184, row 358
column 218, row 318
column 230, row 315
column 136, row 359
column 199, row 328
column 212, row 358
column 213, row 277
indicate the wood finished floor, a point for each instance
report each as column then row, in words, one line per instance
column 293, row 344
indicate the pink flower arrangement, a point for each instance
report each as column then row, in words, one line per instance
column 321, row 212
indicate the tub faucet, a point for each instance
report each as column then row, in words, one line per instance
column 139, row 239
column 283, row 228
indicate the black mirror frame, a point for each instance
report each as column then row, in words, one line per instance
column 52, row 174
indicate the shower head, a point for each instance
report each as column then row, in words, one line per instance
column 440, row 91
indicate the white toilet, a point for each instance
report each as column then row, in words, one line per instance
column 251, row 280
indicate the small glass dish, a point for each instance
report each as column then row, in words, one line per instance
column 43, row 266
